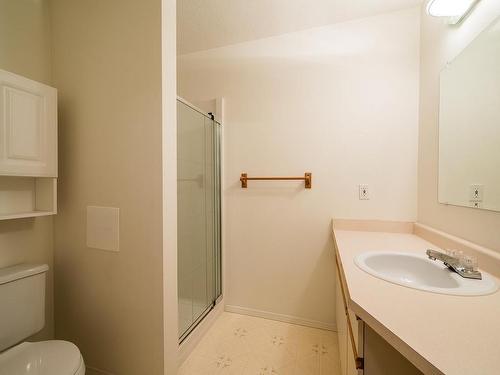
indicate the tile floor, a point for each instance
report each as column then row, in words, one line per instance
column 243, row 345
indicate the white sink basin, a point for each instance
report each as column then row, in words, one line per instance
column 419, row 272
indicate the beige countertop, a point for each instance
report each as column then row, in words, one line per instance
column 440, row 334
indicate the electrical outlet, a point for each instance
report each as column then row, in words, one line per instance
column 364, row 193
column 476, row 193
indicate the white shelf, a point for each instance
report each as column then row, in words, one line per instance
column 26, row 214
column 22, row 197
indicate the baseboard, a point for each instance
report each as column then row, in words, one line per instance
column 281, row 317
column 94, row 371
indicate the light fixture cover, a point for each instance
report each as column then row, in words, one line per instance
column 455, row 9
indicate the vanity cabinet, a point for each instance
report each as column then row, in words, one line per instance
column 350, row 333
column 341, row 327
column 362, row 351
column 28, row 147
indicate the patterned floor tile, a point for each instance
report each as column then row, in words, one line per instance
column 244, row 345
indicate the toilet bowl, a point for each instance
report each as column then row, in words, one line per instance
column 22, row 314
column 52, row 357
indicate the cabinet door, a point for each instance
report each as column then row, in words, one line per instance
column 341, row 327
column 351, row 364
column 28, row 127
column 358, row 336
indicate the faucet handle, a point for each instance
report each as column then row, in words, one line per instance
column 469, row 263
column 456, row 254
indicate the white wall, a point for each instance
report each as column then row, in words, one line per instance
column 207, row 24
column 169, row 180
column 339, row 101
column 441, row 43
column 108, row 68
column 25, row 50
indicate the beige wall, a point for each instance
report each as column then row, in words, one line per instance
column 339, row 101
column 25, row 50
column 25, row 38
column 439, row 44
column 107, row 66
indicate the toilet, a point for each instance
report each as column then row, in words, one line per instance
column 22, row 314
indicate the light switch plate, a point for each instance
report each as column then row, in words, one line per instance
column 103, row 228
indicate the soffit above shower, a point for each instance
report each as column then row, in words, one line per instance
column 207, row 24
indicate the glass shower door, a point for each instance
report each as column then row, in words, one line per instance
column 198, row 217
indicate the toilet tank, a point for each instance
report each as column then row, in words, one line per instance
column 22, row 302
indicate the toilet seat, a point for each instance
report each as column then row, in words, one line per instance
column 52, row 357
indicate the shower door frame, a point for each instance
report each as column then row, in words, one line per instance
column 218, row 210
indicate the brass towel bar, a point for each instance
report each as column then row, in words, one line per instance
column 307, row 179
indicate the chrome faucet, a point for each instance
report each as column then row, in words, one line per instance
column 465, row 266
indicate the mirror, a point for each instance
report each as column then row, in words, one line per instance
column 469, row 125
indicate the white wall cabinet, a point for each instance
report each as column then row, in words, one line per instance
column 28, row 127
column 28, row 147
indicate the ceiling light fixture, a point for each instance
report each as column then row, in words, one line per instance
column 454, row 10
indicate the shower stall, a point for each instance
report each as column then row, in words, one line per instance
column 198, row 215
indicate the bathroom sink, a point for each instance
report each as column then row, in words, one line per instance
column 419, row 272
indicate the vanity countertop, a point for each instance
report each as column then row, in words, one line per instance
column 440, row 334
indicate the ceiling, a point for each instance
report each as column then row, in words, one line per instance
column 207, row 24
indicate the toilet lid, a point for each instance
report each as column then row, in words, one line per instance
column 53, row 357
